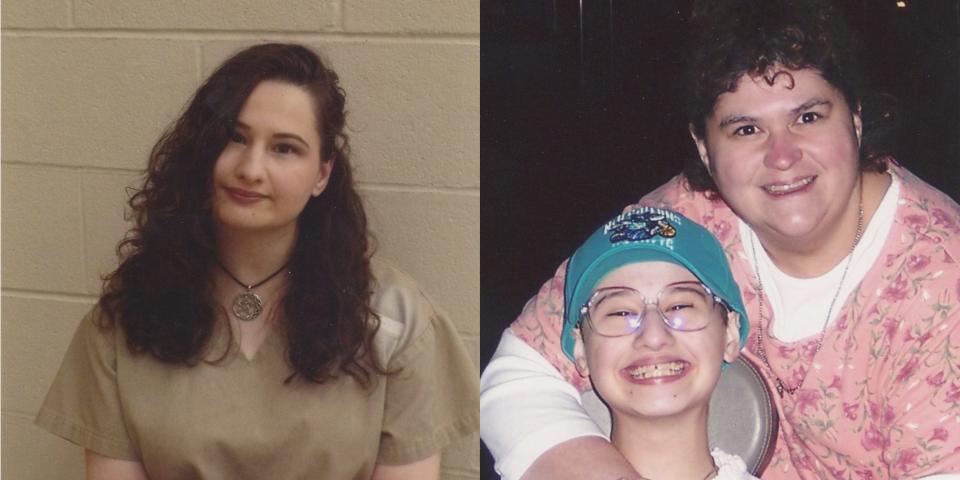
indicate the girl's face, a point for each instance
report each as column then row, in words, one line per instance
column 271, row 166
column 785, row 156
column 657, row 371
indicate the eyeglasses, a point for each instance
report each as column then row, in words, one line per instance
column 619, row 311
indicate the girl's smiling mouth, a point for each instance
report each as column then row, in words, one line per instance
column 655, row 371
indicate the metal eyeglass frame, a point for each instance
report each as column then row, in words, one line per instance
column 585, row 308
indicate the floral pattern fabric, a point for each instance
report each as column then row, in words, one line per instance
column 882, row 397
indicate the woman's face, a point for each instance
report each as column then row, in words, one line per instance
column 657, row 371
column 271, row 166
column 785, row 157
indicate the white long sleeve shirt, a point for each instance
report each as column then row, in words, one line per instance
column 527, row 408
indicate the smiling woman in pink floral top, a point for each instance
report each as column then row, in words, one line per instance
column 848, row 266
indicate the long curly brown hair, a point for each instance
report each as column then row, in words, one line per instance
column 161, row 293
column 731, row 38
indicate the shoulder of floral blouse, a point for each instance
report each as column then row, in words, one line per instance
column 678, row 195
column 929, row 212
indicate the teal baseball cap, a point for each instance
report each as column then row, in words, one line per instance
column 647, row 234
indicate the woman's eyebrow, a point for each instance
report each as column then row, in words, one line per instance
column 813, row 102
column 291, row 136
column 731, row 119
column 281, row 135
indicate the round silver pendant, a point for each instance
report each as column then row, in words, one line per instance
column 247, row 306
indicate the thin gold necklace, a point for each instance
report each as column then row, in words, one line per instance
column 761, row 351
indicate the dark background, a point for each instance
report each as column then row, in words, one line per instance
column 577, row 121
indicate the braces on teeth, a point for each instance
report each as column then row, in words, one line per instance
column 658, row 370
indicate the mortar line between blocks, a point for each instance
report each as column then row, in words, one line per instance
column 28, row 416
column 471, row 39
column 83, row 231
column 390, row 187
column 71, row 13
column 86, row 168
column 199, row 57
column 41, row 295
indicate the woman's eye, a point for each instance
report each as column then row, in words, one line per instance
column 285, row 149
column 745, row 130
column 236, row 137
column 808, row 117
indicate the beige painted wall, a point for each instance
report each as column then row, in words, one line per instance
column 87, row 87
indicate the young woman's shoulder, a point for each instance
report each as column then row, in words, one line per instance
column 97, row 336
column 83, row 404
column 405, row 312
column 432, row 393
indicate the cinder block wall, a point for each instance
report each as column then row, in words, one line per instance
column 88, row 86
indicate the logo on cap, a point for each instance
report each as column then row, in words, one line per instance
column 639, row 225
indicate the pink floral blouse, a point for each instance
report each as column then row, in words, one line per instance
column 883, row 397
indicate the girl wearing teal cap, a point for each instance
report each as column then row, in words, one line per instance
column 651, row 315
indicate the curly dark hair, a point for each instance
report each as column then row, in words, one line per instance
column 731, row 38
column 161, row 293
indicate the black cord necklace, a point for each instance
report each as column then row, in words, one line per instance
column 247, row 306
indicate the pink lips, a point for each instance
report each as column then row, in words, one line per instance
column 242, row 196
column 789, row 187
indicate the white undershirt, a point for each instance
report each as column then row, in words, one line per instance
column 802, row 314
